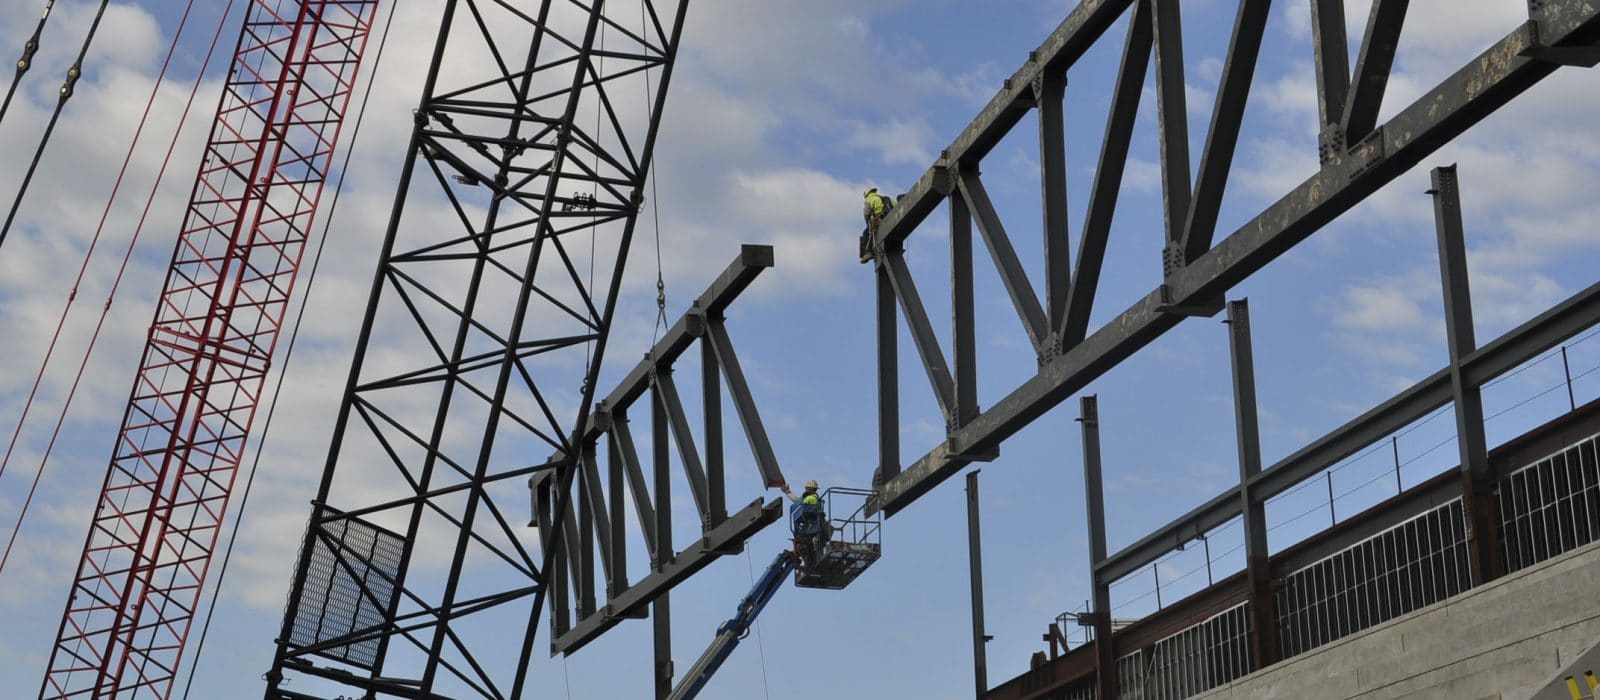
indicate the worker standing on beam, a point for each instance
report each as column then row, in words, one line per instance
column 873, row 210
column 807, row 521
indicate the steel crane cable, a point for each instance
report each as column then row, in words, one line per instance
column 95, row 240
column 655, row 210
column 294, row 335
column 26, row 61
column 67, row 89
column 127, row 255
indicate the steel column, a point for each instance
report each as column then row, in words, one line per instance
column 1050, row 92
column 661, row 610
column 1477, row 482
column 980, row 663
column 1105, row 657
column 1263, row 613
column 711, row 396
column 963, row 322
column 888, row 331
column 1172, row 115
column 1332, row 51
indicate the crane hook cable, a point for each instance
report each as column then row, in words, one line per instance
column 93, row 242
column 26, row 61
column 106, row 310
column 66, row 91
column 294, row 334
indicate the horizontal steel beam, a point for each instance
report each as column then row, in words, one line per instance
column 1450, row 108
column 734, row 279
column 1509, row 351
column 727, row 538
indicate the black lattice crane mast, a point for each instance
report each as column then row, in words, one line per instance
column 479, row 350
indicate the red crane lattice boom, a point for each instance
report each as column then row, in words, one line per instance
column 209, row 349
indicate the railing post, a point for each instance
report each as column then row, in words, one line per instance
column 1263, row 611
column 1477, row 482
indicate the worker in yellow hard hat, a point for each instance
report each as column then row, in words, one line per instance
column 873, row 209
column 808, row 522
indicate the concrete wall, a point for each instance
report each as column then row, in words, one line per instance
column 1504, row 640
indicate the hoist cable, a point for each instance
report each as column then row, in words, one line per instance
column 294, row 335
column 26, row 61
column 105, row 214
column 655, row 212
column 66, row 92
column 111, row 295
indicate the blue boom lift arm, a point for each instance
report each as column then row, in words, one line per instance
column 734, row 630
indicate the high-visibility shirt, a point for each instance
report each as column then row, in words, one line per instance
column 810, row 499
column 879, row 204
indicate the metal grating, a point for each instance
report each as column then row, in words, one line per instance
column 1551, row 506
column 1411, row 565
column 349, row 588
column 1193, row 661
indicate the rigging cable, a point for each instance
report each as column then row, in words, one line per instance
column 106, row 310
column 95, row 240
column 655, row 212
column 26, row 61
column 66, row 91
column 294, row 334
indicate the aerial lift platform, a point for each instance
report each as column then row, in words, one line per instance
column 834, row 544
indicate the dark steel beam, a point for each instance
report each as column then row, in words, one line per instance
column 725, row 539
column 1094, row 502
column 888, row 332
column 1082, row 27
column 922, row 335
column 1478, row 497
column 1172, row 115
column 1012, row 274
column 711, row 408
column 1332, row 48
column 623, row 437
column 661, row 633
column 661, row 609
column 1050, row 92
column 1373, row 67
column 1258, row 563
column 980, row 662
column 617, row 569
column 1074, row 325
column 963, row 322
column 744, row 404
column 744, row 269
column 1466, row 97
column 683, row 437
column 1578, row 313
column 1216, row 161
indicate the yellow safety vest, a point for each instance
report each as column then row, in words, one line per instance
column 878, row 203
column 810, row 499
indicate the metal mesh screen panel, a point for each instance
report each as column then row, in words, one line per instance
column 1409, row 566
column 1551, row 506
column 348, row 590
column 1193, row 661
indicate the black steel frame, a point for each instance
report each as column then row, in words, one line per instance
column 1364, row 157
column 1358, row 156
column 482, row 340
column 600, row 516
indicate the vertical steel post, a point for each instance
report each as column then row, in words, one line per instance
column 661, row 611
column 711, row 393
column 586, row 526
column 980, row 662
column 1477, row 482
column 1333, row 516
column 1050, row 92
column 617, row 582
column 888, row 379
column 1394, row 444
column 1263, row 613
column 964, row 323
column 1105, row 658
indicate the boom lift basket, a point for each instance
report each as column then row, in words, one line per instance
column 851, row 541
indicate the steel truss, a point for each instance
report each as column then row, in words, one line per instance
column 209, row 349
column 479, row 348
column 1358, row 157
column 602, row 504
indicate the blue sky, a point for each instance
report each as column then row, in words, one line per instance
column 780, row 114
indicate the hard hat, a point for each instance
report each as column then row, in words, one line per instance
column 870, row 190
column 811, row 484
